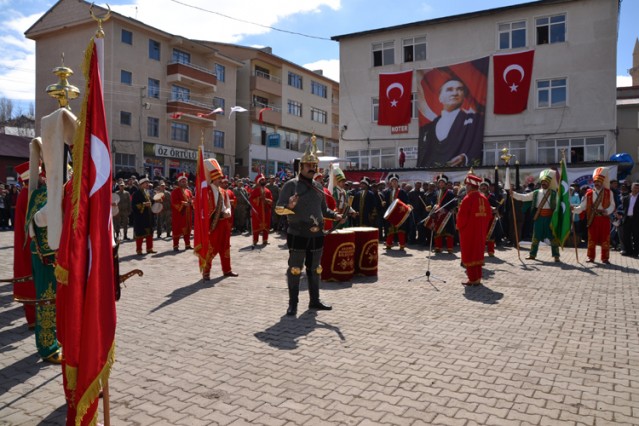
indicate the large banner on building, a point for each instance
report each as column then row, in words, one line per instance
column 452, row 101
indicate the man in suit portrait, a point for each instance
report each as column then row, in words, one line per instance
column 455, row 137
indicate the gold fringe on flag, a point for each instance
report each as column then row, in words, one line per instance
column 93, row 391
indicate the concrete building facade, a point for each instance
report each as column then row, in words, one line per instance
column 577, row 62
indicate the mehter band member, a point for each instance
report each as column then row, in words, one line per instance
column 304, row 201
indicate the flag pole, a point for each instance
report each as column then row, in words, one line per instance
column 572, row 223
column 106, row 403
column 506, row 157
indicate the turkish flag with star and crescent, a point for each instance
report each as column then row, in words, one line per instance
column 395, row 92
column 86, row 316
column 512, row 75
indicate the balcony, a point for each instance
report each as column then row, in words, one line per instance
column 266, row 83
column 272, row 116
column 187, row 110
column 191, row 75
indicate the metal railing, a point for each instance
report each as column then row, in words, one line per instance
column 262, row 74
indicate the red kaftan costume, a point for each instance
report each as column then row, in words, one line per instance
column 473, row 220
column 22, row 257
column 181, row 216
column 261, row 200
column 220, row 236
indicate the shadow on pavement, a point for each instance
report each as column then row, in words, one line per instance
column 183, row 292
column 57, row 417
column 288, row 330
column 482, row 294
column 20, row 372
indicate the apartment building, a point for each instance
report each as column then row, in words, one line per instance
column 571, row 102
column 287, row 104
column 159, row 89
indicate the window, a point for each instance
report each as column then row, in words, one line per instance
column 218, row 139
column 492, row 152
column 127, row 37
column 383, row 53
column 260, row 101
column 551, row 93
column 126, row 77
column 292, row 140
column 219, row 103
column 577, row 149
column 220, row 72
column 179, row 132
column 181, row 57
column 512, row 35
column 179, row 93
column 154, row 50
column 125, row 118
column 154, row 88
column 373, row 158
column 124, row 161
column 318, row 89
column 153, row 127
column 318, row 115
column 414, row 49
column 375, row 109
column 295, row 80
column 551, row 29
column 295, row 108
column 262, row 72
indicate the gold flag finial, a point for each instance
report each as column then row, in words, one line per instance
column 62, row 91
column 506, row 156
column 100, row 19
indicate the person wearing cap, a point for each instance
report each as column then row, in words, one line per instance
column 220, row 222
column 493, row 230
column 304, row 202
column 261, row 200
column 365, row 204
column 242, row 210
column 599, row 204
column 343, row 200
column 275, row 194
column 23, row 287
column 543, row 202
column 182, row 213
column 164, row 222
column 392, row 193
column 473, row 220
column 142, row 217
column 121, row 220
column 440, row 218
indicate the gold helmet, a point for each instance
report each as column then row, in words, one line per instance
column 310, row 155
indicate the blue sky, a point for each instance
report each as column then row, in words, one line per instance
column 320, row 19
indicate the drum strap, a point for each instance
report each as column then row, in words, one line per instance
column 542, row 204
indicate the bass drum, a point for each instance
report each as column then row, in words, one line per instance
column 115, row 199
column 156, row 208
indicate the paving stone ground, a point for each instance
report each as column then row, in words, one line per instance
column 539, row 344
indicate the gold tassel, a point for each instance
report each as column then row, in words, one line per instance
column 61, row 275
column 93, row 391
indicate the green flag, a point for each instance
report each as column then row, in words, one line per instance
column 562, row 217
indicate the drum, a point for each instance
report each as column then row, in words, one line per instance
column 115, row 199
column 158, row 198
column 366, row 257
column 156, row 208
column 397, row 213
column 437, row 221
column 338, row 256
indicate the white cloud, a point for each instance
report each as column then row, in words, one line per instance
column 17, row 58
column 329, row 67
column 624, row 81
column 199, row 23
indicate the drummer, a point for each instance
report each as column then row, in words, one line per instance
column 440, row 218
column 162, row 198
column 394, row 192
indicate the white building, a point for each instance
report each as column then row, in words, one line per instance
column 571, row 103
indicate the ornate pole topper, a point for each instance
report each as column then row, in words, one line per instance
column 62, row 91
column 506, row 157
column 100, row 19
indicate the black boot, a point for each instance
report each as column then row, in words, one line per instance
column 313, row 292
column 293, row 294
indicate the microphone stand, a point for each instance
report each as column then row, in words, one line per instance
column 427, row 274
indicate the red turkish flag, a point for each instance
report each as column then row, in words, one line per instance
column 512, row 74
column 201, row 225
column 86, row 317
column 394, row 98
